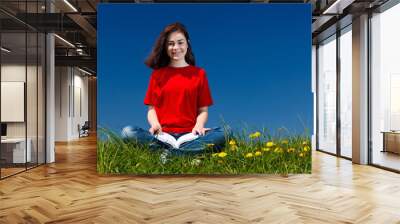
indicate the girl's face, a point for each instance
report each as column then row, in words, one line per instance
column 177, row 46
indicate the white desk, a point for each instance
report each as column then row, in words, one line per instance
column 18, row 149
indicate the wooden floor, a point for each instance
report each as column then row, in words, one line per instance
column 70, row 191
column 10, row 171
column 387, row 159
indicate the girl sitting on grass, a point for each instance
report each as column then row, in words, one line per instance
column 178, row 96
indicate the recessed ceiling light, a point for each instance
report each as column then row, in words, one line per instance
column 70, row 5
column 64, row 40
column 337, row 7
column 84, row 71
column 5, row 50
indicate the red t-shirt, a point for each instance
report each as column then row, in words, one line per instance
column 177, row 94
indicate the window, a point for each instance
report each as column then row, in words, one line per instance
column 327, row 95
column 346, row 92
column 385, row 88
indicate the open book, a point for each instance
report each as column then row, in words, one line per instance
column 169, row 139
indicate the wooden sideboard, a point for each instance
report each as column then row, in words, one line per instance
column 391, row 141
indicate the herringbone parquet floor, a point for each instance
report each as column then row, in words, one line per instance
column 70, row 191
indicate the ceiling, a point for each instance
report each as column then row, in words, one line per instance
column 76, row 22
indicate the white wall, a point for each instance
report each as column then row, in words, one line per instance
column 70, row 84
column 13, row 73
column 80, row 109
column 61, row 103
column 33, row 126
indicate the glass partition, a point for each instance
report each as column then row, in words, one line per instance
column 31, row 100
column 41, row 109
column 14, row 153
column 32, row 84
column 22, row 88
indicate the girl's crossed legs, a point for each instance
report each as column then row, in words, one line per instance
column 214, row 136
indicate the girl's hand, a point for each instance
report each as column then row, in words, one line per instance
column 200, row 130
column 155, row 129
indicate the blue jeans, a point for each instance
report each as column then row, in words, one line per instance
column 214, row 136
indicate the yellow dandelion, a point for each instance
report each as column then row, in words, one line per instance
column 290, row 150
column 249, row 155
column 222, row 154
column 306, row 148
column 233, row 148
column 232, row 142
column 266, row 149
column 270, row 144
column 215, row 154
column 301, row 154
column 258, row 153
column 285, row 141
column 210, row 145
column 255, row 134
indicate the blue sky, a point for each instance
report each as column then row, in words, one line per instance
column 257, row 58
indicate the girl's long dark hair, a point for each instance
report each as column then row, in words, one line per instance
column 159, row 57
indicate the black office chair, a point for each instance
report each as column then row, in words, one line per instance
column 84, row 130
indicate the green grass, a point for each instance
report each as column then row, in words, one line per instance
column 249, row 155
